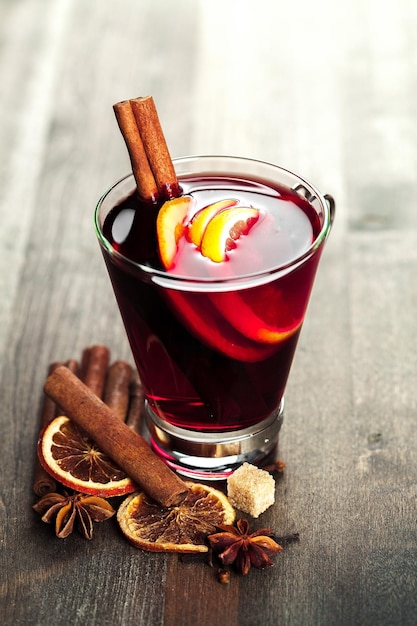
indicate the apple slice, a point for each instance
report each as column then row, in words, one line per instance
column 170, row 226
column 201, row 219
column 224, row 229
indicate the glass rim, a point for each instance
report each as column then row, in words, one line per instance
column 174, row 281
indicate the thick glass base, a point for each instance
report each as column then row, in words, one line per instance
column 214, row 455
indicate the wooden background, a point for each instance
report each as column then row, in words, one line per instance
column 328, row 89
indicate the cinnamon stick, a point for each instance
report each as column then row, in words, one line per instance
column 145, row 181
column 95, row 361
column 151, row 162
column 116, row 392
column 126, row 447
column 85, row 356
column 153, row 139
column 136, row 405
column 43, row 483
column 73, row 366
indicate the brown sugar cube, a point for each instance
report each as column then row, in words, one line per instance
column 251, row 490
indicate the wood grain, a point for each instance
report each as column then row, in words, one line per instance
column 326, row 89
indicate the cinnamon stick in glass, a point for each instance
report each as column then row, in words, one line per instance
column 145, row 181
column 126, row 447
column 156, row 148
column 151, row 162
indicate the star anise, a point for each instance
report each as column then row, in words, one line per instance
column 234, row 545
column 67, row 509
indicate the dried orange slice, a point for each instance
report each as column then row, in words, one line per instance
column 73, row 460
column 170, row 227
column 201, row 219
column 182, row 528
column 224, row 229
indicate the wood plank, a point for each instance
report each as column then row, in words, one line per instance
column 326, row 90
column 27, row 77
column 194, row 595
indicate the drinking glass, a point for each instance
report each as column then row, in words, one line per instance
column 214, row 391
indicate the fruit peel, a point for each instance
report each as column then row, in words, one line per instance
column 201, row 219
column 224, row 229
column 170, row 227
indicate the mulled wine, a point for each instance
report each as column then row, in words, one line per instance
column 214, row 340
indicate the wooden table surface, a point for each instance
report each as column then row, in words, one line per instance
column 324, row 88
